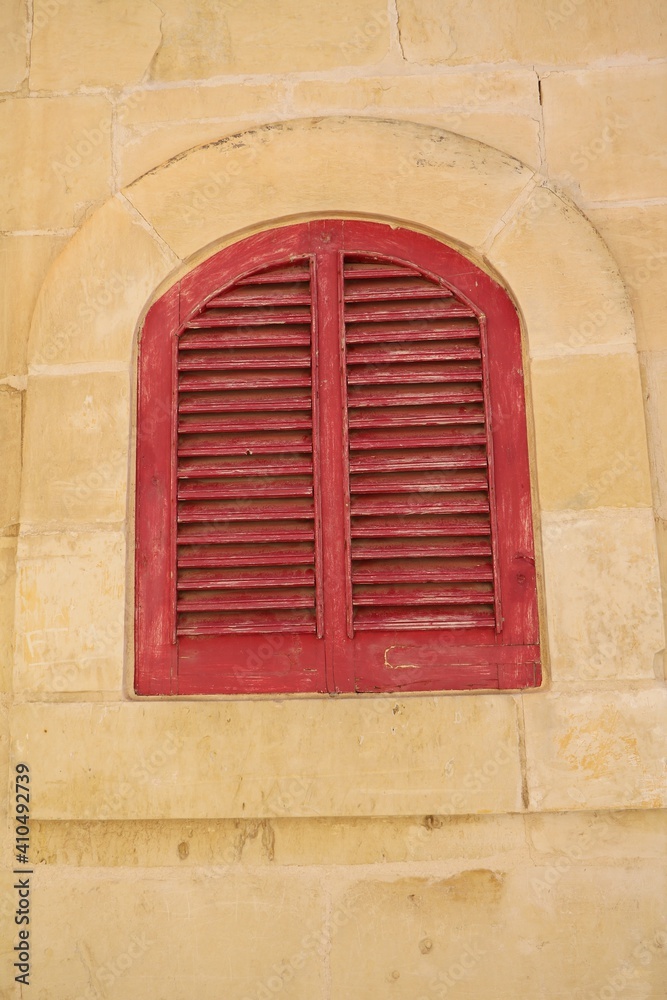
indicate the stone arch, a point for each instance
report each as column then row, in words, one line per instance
column 577, row 320
column 496, row 209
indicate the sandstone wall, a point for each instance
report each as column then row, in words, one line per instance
column 507, row 846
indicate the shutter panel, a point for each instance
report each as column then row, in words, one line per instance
column 246, row 527
column 419, row 452
column 333, row 488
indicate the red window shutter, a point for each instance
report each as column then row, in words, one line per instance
column 325, row 479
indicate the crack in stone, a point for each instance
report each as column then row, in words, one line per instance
column 148, row 75
column 397, row 22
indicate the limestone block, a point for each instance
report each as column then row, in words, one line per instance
column 399, row 839
column 654, row 377
column 484, row 932
column 145, row 149
column 590, row 432
column 24, row 261
column 499, row 109
column 7, row 591
column 432, row 178
column 71, row 609
column 560, row 33
column 10, row 456
column 563, row 276
column 158, row 843
column 511, row 91
column 603, row 599
column 75, row 449
column 280, row 841
column 205, row 932
column 92, row 45
column 637, row 237
column 661, row 533
column 13, row 44
column 308, row 757
column 602, row 750
column 516, row 135
column 206, row 39
column 579, row 838
column 55, row 160
column 195, row 102
column 92, row 298
column 606, row 130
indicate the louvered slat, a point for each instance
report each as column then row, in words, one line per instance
column 256, row 336
column 245, row 523
column 244, row 465
column 423, row 618
column 406, row 395
column 399, row 461
column 420, row 524
column 243, row 317
column 407, row 416
column 274, row 554
column 237, row 622
column 248, row 577
column 263, row 357
column 220, row 422
column 270, row 486
column 246, row 509
column 449, row 328
column 389, row 571
column 245, row 401
column 419, row 481
column 433, row 350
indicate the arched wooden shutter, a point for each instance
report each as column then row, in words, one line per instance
column 332, row 477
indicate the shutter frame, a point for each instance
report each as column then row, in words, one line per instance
column 391, row 659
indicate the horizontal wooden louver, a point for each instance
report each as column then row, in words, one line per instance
column 245, row 524
column 420, row 512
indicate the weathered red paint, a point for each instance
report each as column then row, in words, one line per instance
column 333, row 487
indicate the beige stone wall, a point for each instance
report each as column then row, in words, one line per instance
column 415, row 847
